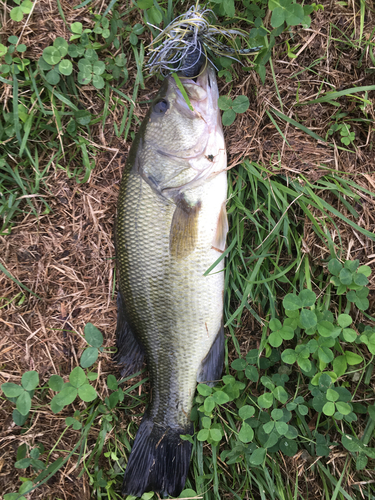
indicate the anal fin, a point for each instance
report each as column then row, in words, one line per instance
column 129, row 354
column 212, row 365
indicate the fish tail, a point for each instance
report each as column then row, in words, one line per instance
column 159, row 460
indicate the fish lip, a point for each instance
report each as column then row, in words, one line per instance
column 206, row 108
column 207, row 78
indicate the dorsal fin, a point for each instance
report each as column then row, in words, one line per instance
column 130, row 352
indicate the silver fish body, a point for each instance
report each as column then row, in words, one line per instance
column 171, row 227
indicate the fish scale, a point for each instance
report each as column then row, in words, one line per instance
column 169, row 211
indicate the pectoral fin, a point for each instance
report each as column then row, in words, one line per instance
column 221, row 230
column 184, row 228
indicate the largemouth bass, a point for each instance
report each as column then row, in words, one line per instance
column 171, row 227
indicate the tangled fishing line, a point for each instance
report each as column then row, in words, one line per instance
column 189, row 37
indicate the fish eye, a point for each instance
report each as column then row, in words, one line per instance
column 161, row 106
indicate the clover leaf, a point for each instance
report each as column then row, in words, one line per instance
column 22, row 394
column 239, row 105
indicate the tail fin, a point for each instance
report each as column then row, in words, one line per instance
column 159, row 460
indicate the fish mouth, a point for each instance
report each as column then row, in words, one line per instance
column 203, row 94
column 208, row 155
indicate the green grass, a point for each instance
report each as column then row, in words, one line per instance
column 46, row 128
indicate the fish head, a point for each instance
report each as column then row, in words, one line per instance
column 192, row 137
